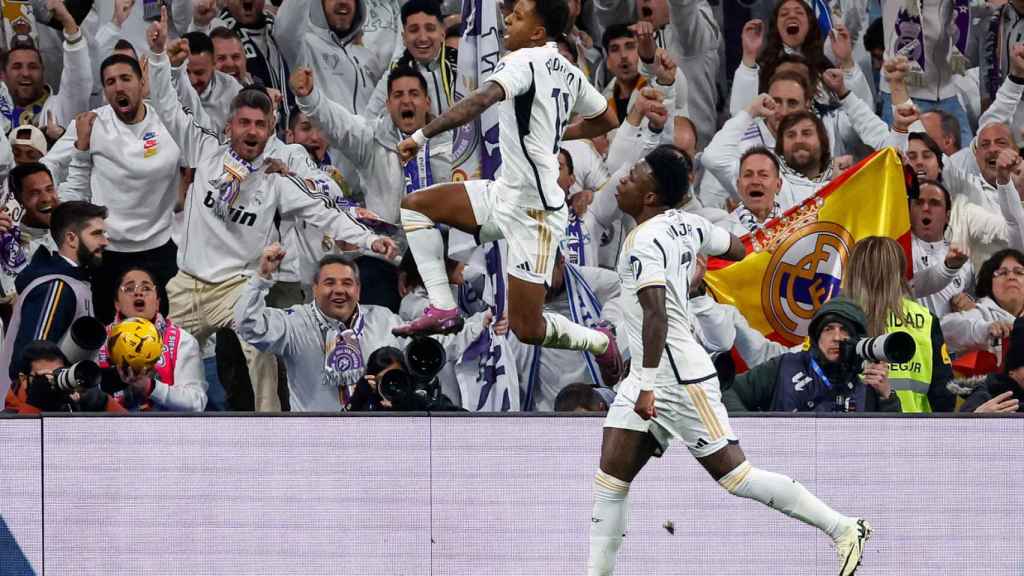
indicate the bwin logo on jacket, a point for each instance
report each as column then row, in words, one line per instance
column 237, row 215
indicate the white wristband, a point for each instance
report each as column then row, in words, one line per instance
column 647, row 378
column 419, row 137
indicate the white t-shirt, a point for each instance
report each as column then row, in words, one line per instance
column 543, row 91
column 662, row 252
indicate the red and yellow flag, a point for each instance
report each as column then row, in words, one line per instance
column 797, row 263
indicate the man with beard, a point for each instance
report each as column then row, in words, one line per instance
column 423, row 34
column 26, row 99
column 373, row 144
column 238, row 197
column 54, row 291
column 32, row 188
column 127, row 160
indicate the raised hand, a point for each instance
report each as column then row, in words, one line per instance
column 763, row 106
column 156, row 34
column 52, row 130
column 1006, row 163
column 842, row 45
column 386, row 247
column 302, row 82
column 752, row 38
column 646, row 46
column 83, row 130
column 59, row 12
column 895, row 69
column 904, row 115
column 833, row 79
column 407, row 150
column 1017, row 60
column 666, row 67
column 955, row 257
column 178, row 52
column 271, row 259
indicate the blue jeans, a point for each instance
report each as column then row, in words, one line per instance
column 951, row 105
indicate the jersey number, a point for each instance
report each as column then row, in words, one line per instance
column 562, row 118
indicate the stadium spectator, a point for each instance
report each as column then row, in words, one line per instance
column 254, row 25
column 690, row 33
column 326, row 344
column 34, row 390
column 936, row 44
column 423, row 35
column 175, row 383
column 32, row 188
column 944, row 129
column 125, row 158
column 373, row 144
column 1002, row 391
column 26, row 99
column 323, row 35
column 243, row 199
column 229, row 55
column 759, row 182
column 54, row 290
column 582, row 233
column 874, row 279
column 822, row 379
column 793, row 29
column 1000, row 294
column 941, row 270
column 28, row 144
column 202, row 88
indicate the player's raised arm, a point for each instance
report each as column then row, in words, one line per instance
column 723, row 244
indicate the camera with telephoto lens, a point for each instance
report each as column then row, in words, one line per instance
column 895, row 347
column 84, row 374
column 415, row 387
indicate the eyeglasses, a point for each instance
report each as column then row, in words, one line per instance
column 131, row 288
column 1004, row 272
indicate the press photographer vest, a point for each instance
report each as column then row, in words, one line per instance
column 912, row 379
column 83, row 301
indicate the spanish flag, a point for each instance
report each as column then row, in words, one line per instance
column 796, row 264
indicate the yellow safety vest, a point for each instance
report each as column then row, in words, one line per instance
column 912, row 379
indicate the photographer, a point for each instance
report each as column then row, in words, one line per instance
column 327, row 344
column 54, row 290
column 822, row 379
column 39, row 387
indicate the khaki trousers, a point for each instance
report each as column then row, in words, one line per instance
column 202, row 308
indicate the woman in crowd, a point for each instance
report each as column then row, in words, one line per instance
column 875, row 279
column 1000, row 302
column 176, row 381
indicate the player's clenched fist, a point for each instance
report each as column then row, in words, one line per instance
column 302, row 82
column 644, row 406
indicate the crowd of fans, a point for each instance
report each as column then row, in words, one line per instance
column 229, row 172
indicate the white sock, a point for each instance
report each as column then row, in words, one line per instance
column 568, row 335
column 427, row 248
column 607, row 523
column 785, row 495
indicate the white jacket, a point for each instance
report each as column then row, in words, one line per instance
column 373, row 146
column 934, row 284
column 215, row 249
column 966, row 331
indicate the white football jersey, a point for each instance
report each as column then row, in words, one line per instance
column 543, row 91
column 662, row 252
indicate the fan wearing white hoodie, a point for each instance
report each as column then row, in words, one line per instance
column 228, row 223
column 125, row 159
